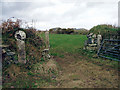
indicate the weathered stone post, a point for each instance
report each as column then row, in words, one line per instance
column 47, row 39
column 20, row 36
column 99, row 38
column 45, row 52
column 90, row 38
column 93, row 38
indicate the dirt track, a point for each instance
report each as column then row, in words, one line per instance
column 81, row 74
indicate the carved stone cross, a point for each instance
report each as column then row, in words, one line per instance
column 20, row 36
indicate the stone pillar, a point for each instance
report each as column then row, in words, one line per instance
column 90, row 40
column 99, row 38
column 93, row 39
column 47, row 39
column 45, row 52
column 20, row 36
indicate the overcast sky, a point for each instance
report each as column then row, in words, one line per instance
column 62, row 13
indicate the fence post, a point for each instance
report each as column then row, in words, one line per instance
column 20, row 36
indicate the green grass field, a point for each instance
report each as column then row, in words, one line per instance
column 62, row 43
column 68, row 51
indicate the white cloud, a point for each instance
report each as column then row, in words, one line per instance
column 63, row 13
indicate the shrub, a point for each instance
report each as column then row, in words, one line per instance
column 107, row 31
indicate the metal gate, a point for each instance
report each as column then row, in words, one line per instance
column 110, row 49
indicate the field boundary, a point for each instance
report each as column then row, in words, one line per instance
column 110, row 49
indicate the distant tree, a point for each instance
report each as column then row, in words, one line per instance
column 63, row 31
column 69, row 31
column 51, row 30
column 58, row 31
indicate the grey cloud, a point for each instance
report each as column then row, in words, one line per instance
column 49, row 14
column 22, row 7
column 94, row 4
column 76, row 12
column 14, row 6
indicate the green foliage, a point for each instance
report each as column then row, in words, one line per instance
column 62, row 56
column 62, row 31
column 57, row 54
column 22, row 81
column 69, row 31
column 42, row 59
column 30, row 73
column 33, row 45
column 16, row 57
column 54, row 54
column 106, row 31
column 81, row 32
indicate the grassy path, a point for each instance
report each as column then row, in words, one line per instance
column 80, row 74
column 79, row 70
column 77, row 67
column 69, row 67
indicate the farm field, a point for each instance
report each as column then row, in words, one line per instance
column 62, row 43
column 79, row 68
column 70, row 66
column 56, row 44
